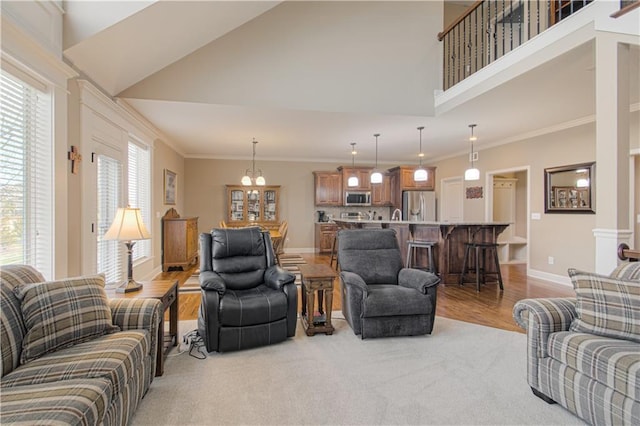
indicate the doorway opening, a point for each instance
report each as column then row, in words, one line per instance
column 508, row 195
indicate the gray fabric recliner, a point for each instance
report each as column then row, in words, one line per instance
column 379, row 296
column 247, row 299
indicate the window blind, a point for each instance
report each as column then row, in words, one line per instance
column 26, row 175
column 139, row 177
column 110, row 253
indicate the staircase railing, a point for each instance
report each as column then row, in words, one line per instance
column 491, row 28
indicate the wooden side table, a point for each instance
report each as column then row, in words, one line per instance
column 167, row 293
column 317, row 277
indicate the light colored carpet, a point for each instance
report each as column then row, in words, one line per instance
column 461, row 374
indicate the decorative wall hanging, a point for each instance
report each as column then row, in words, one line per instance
column 170, row 185
column 474, row 192
column 75, row 158
column 570, row 189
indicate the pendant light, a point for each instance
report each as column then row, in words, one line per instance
column 250, row 177
column 376, row 176
column 472, row 173
column 353, row 179
column 420, row 175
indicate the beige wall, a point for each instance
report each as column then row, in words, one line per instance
column 636, row 216
column 205, row 195
column 165, row 157
column 567, row 238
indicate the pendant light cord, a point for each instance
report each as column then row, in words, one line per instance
column 420, row 153
column 376, row 136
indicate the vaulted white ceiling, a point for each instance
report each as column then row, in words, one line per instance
column 306, row 78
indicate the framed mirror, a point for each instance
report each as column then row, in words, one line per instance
column 570, row 189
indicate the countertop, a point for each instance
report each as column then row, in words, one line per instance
column 415, row 222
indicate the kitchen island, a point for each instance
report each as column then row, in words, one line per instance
column 450, row 238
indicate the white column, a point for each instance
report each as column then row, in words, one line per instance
column 612, row 150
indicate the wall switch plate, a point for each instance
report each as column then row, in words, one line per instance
column 535, row 216
column 551, row 260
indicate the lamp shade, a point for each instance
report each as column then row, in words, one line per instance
column 472, row 174
column 127, row 226
column 246, row 180
column 376, row 177
column 352, row 181
column 260, row 181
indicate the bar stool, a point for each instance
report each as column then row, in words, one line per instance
column 334, row 251
column 416, row 244
column 480, row 250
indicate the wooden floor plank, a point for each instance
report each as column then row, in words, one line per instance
column 490, row 307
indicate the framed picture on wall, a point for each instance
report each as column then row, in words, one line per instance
column 170, row 185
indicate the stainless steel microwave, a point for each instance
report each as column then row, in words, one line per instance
column 357, row 198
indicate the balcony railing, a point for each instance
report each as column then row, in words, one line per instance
column 492, row 28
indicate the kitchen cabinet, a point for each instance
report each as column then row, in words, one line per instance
column 363, row 174
column 253, row 205
column 405, row 176
column 324, row 236
column 381, row 192
column 328, row 188
column 179, row 240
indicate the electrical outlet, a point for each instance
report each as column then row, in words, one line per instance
column 535, row 216
column 551, row 260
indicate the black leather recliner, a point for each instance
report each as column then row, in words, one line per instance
column 247, row 299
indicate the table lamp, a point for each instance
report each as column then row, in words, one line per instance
column 128, row 226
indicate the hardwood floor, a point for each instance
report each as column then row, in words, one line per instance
column 490, row 307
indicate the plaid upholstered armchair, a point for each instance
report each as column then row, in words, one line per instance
column 584, row 352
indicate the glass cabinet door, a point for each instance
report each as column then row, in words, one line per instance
column 270, row 203
column 237, row 206
column 253, row 205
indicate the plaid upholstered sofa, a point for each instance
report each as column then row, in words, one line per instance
column 69, row 354
column 584, row 352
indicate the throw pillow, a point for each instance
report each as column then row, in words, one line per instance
column 606, row 306
column 627, row 271
column 61, row 313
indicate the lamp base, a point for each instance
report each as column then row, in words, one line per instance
column 129, row 286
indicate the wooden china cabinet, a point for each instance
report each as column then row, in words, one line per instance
column 253, row 205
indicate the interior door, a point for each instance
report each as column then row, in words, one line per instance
column 451, row 200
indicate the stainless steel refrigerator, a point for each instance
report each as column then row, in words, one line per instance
column 419, row 206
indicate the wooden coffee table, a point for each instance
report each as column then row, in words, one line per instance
column 317, row 277
column 167, row 293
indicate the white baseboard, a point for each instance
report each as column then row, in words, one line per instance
column 559, row 279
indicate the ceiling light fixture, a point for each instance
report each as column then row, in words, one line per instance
column 376, row 176
column 420, row 175
column 250, row 177
column 472, row 173
column 353, row 179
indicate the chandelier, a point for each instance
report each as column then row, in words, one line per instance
column 250, row 176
